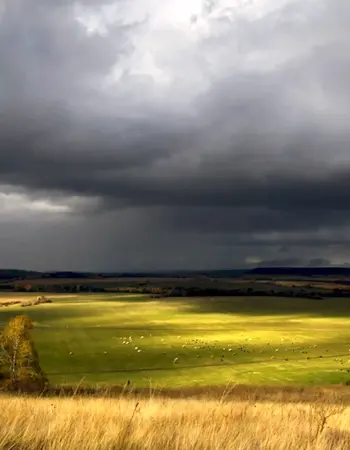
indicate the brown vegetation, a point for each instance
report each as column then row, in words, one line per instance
column 238, row 392
column 314, row 284
column 185, row 286
column 36, row 301
column 160, row 423
column 23, row 300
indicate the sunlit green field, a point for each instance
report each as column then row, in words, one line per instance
column 109, row 339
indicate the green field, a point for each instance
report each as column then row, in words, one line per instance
column 109, row 339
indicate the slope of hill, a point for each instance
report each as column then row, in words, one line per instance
column 8, row 274
column 302, row 271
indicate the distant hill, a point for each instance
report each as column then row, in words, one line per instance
column 301, row 271
column 16, row 274
column 9, row 274
column 67, row 275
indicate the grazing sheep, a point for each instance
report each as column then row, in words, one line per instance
column 176, row 360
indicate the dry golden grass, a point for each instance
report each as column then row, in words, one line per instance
column 165, row 424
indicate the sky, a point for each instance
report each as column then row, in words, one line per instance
column 174, row 134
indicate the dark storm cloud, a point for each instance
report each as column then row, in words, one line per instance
column 244, row 132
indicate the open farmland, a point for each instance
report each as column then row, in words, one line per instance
column 108, row 339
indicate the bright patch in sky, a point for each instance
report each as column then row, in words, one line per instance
column 14, row 205
column 170, row 12
column 175, row 12
column 166, row 36
column 253, row 260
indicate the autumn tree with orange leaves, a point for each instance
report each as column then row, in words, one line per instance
column 19, row 360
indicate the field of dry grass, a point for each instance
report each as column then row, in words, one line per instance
column 159, row 423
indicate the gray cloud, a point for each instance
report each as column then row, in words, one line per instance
column 296, row 262
column 197, row 139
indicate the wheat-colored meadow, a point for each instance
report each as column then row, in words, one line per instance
column 171, row 424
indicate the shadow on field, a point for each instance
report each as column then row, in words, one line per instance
column 46, row 313
column 245, row 305
column 269, row 306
